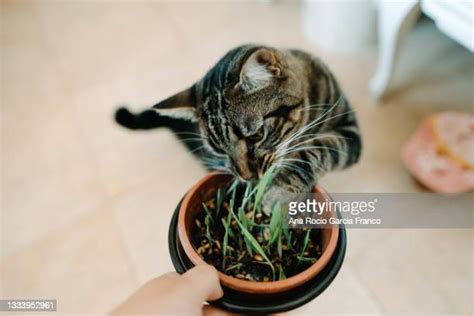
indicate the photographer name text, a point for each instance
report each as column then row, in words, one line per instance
column 310, row 212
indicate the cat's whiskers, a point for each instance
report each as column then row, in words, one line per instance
column 198, row 148
column 316, row 137
column 190, row 139
column 289, row 166
column 321, row 105
column 216, row 165
column 301, row 134
column 313, row 147
column 312, row 125
column 296, row 160
column 308, row 126
column 191, row 133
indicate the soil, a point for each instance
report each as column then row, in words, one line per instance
column 287, row 256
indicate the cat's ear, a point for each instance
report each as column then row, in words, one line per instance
column 181, row 105
column 261, row 68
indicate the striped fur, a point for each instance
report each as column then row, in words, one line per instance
column 260, row 106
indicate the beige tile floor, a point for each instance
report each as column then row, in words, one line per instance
column 86, row 205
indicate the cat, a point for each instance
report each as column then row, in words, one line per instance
column 261, row 106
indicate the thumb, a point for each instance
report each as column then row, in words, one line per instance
column 201, row 283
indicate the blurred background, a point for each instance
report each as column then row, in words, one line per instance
column 86, row 204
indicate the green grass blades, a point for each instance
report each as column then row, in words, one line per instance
column 242, row 218
column 275, row 224
column 248, row 245
column 281, row 274
column 207, row 221
column 252, row 196
column 231, row 233
column 262, row 185
column 226, row 239
column 235, row 266
column 246, row 223
column 253, row 242
column 232, row 192
column 219, row 201
column 287, row 233
column 208, row 213
column 307, row 259
column 305, row 243
column 247, row 194
column 280, row 247
column 233, row 187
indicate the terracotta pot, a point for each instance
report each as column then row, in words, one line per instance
column 192, row 206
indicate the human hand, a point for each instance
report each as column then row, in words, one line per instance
column 174, row 294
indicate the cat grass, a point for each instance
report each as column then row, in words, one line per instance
column 233, row 234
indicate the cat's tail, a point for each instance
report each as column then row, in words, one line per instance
column 176, row 113
column 147, row 119
column 170, row 112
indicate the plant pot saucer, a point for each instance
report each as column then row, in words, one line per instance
column 243, row 303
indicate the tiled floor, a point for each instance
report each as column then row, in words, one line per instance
column 86, row 204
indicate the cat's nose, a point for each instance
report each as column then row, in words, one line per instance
column 245, row 174
column 243, row 170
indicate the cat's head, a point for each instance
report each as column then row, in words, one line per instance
column 247, row 105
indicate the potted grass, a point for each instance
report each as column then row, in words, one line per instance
column 264, row 265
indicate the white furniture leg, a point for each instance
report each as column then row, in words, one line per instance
column 395, row 19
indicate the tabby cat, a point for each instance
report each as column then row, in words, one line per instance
column 257, row 107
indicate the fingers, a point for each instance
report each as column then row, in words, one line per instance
column 202, row 283
column 175, row 294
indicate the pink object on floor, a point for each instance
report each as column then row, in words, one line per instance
column 430, row 162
